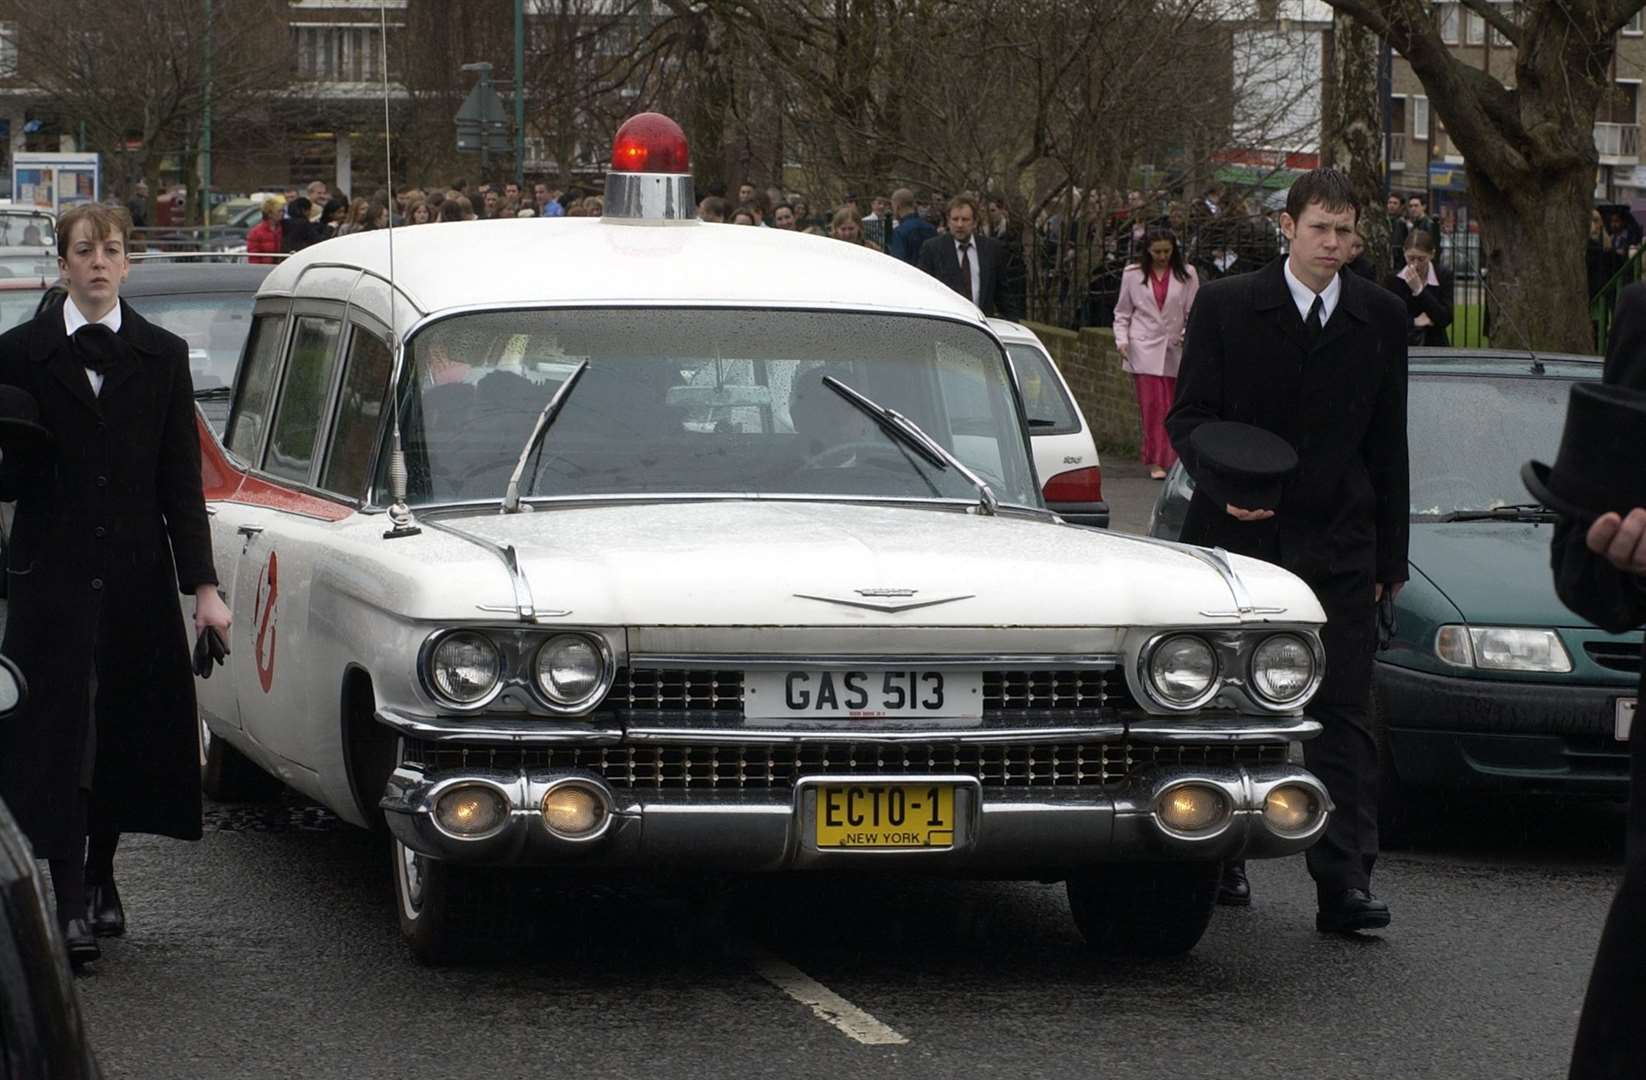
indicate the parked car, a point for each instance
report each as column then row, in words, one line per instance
column 20, row 298
column 1065, row 456
column 41, row 1030
column 209, row 305
column 1490, row 684
column 697, row 549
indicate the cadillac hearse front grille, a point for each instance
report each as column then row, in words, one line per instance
column 655, row 693
column 730, row 768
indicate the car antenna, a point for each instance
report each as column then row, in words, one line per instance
column 1537, row 362
column 401, row 522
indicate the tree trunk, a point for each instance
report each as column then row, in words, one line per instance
column 1353, row 123
column 1533, row 237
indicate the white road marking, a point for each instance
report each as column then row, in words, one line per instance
column 829, row 1006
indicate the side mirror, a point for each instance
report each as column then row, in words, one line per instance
column 13, row 688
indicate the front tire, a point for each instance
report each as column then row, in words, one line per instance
column 227, row 775
column 423, row 899
column 1144, row 909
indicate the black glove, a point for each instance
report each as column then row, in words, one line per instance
column 1386, row 618
column 209, row 649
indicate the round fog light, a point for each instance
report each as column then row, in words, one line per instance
column 574, row 811
column 1291, row 809
column 1193, row 808
column 470, row 811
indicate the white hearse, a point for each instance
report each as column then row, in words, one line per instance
column 636, row 542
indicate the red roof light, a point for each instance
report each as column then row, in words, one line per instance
column 650, row 143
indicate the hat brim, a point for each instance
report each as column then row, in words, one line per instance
column 24, row 435
column 1535, row 475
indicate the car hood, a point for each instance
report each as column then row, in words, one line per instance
column 831, row 564
column 1493, row 572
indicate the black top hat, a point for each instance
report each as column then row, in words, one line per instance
column 1599, row 466
column 1241, row 465
column 20, row 427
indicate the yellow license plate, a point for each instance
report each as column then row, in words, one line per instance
column 885, row 815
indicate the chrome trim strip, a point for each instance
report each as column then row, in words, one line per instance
column 1169, row 732
column 524, row 607
column 533, row 732
column 852, row 662
column 890, row 607
column 661, row 736
column 489, row 506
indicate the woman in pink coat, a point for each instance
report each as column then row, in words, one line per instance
column 1149, row 318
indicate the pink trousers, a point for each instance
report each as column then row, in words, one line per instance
column 1154, row 401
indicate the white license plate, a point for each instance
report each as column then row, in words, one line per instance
column 1625, row 717
column 914, row 693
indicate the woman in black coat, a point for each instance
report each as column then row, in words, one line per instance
column 108, row 525
column 1425, row 289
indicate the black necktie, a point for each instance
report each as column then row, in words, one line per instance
column 1316, row 320
column 96, row 347
column 966, row 272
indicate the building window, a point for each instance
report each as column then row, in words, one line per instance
column 1475, row 28
column 8, row 49
column 343, row 53
column 1633, row 27
column 1450, row 16
column 1505, row 8
column 1420, row 118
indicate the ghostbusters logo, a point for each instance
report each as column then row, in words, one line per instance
column 266, row 615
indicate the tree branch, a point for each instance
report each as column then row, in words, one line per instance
column 1495, row 19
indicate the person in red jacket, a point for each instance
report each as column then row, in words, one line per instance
column 265, row 235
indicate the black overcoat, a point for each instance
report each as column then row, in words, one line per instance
column 107, row 527
column 1434, row 301
column 1343, row 516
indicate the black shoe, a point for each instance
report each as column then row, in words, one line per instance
column 81, row 942
column 1234, row 890
column 1351, row 910
column 108, row 918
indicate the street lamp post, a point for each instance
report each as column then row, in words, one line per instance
column 205, row 138
column 520, row 92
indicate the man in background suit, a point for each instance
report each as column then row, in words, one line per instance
column 963, row 259
column 1600, row 573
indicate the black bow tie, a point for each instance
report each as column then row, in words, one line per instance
column 97, row 347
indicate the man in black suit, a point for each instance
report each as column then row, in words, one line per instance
column 963, row 259
column 1318, row 358
column 1600, row 573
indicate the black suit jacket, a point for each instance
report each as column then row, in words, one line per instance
column 939, row 258
column 1434, row 301
column 1587, row 583
column 1343, row 515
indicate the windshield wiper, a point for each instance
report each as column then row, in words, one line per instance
column 511, row 495
column 909, row 433
column 1515, row 512
column 215, row 393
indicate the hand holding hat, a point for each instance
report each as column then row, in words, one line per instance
column 1242, row 467
column 20, row 427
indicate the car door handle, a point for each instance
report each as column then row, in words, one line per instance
column 249, row 531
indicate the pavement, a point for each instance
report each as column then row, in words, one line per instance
column 270, row 949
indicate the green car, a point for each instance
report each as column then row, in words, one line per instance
column 1490, row 684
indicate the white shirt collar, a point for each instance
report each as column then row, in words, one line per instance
column 1304, row 297
column 74, row 320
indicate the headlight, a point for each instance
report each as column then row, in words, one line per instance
column 1283, row 667
column 1183, row 670
column 1502, row 648
column 571, row 670
column 464, row 667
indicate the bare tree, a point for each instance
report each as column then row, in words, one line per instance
column 1529, row 150
column 139, row 82
column 1352, row 138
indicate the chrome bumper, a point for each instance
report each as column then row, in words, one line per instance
column 999, row 832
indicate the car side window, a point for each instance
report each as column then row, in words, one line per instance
column 1050, row 411
column 303, row 398
column 250, row 419
column 359, row 414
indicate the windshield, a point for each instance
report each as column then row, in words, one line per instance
column 705, row 402
column 1470, row 434
column 1049, row 409
column 27, row 230
column 18, row 305
column 214, row 324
